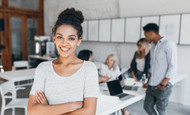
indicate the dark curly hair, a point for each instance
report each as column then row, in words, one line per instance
column 70, row 17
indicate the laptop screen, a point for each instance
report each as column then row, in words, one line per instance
column 114, row 87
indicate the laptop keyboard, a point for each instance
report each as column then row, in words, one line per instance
column 133, row 88
column 122, row 95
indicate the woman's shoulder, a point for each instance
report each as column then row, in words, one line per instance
column 44, row 65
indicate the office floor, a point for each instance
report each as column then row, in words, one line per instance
column 135, row 109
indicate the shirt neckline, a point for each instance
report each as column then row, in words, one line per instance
column 65, row 77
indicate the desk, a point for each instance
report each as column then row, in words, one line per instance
column 34, row 60
column 40, row 57
column 110, row 104
column 18, row 75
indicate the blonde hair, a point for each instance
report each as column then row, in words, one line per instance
column 115, row 61
column 146, row 46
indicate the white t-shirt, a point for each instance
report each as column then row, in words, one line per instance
column 113, row 74
column 140, row 64
column 59, row 90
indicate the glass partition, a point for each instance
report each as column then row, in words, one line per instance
column 25, row 4
column 16, row 38
column 31, row 32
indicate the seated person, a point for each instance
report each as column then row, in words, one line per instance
column 85, row 55
column 109, row 70
column 140, row 63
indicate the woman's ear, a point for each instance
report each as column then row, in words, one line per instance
column 79, row 41
column 54, row 39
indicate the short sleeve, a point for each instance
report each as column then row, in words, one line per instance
column 39, row 79
column 102, row 71
column 91, row 81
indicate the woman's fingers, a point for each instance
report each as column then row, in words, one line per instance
column 40, row 98
column 38, row 101
column 43, row 97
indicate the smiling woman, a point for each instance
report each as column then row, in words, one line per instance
column 67, row 85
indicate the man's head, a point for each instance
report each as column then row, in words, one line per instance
column 151, row 31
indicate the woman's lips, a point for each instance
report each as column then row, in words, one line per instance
column 65, row 49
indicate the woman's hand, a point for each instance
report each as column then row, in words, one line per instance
column 41, row 98
column 104, row 78
column 135, row 79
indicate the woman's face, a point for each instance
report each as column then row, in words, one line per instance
column 66, row 40
column 110, row 62
column 140, row 47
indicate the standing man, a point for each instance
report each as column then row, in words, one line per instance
column 163, row 69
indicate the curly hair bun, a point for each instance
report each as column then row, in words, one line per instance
column 72, row 13
column 70, row 17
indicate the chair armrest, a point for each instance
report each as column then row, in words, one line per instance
column 8, row 97
column 20, row 88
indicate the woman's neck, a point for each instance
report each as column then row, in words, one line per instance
column 109, row 67
column 66, row 60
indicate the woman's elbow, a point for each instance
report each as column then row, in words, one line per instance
column 90, row 111
column 30, row 112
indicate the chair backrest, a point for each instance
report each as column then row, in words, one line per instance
column 20, row 64
column 5, row 88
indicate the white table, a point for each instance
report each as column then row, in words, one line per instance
column 40, row 57
column 110, row 104
column 18, row 75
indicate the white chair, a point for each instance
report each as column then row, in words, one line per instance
column 7, row 87
column 20, row 64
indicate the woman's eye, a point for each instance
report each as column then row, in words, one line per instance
column 59, row 37
column 72, row 39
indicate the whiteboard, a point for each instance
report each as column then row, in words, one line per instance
column 169, row 27
column 146, row 20
column 104, row 30
column 93, row 30
column 132, row 32
column 85, row 31
column 185, row 29
column 117, row 33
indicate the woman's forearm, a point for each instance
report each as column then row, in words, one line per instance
column 133, row 74
column 41, row 109
column 82, row 111
column 35, row 108
column 89, row 108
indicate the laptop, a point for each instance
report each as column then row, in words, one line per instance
column 115, row 89
column 126, row 87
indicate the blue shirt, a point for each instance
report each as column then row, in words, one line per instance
column 163, row 61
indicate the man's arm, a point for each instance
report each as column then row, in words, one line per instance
column 89, row 107
column 172, row 64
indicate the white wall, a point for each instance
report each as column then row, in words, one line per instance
column 123, row 8
column 152, row 7
column 92, row 9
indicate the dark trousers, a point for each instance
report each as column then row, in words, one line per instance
column 157, row 97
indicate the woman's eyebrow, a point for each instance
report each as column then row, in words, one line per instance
column 72, row 35
column 59, row 34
